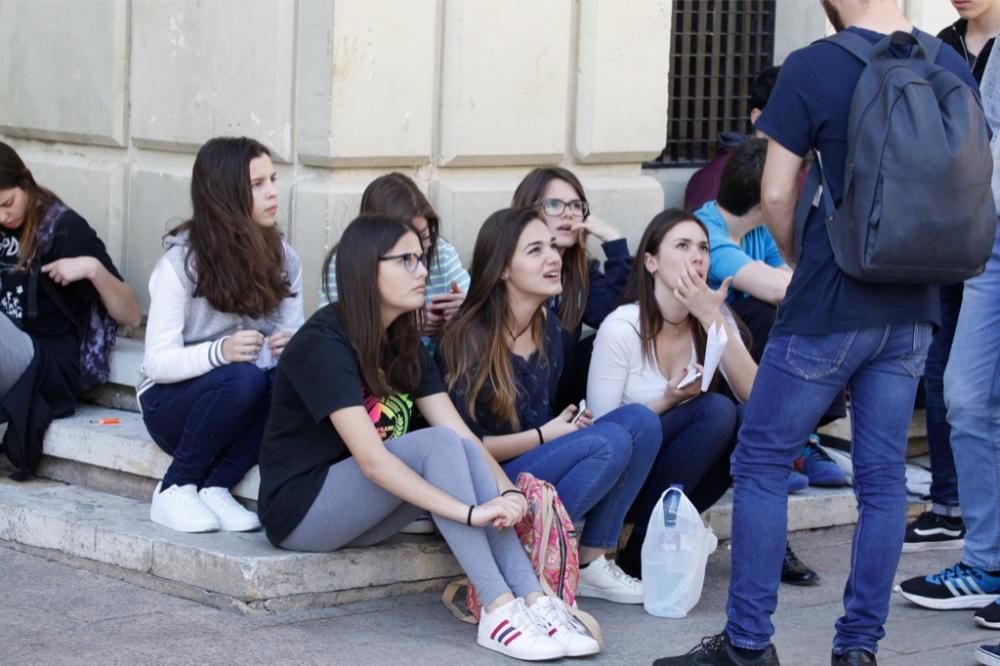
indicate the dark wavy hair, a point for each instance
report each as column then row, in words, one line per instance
column 14, row 173
column 575, row 267
column 235, row 264
column 389, row 358
column 397, row 195
column 473, row 346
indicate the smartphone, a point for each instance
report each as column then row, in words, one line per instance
column 690, row 379
column 579, row 411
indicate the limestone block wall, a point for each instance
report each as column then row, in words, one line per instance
column 109, row 100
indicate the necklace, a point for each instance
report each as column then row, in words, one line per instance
column 675, row 324
column 510, row 332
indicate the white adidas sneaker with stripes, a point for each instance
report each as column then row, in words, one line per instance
column 512, row 630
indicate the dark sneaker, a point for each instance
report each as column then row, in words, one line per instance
column 857, row 657
column 818, row 466
column 956, row 587
column 989, row 616
column 794, row 572
column 931, row 531
column 717, row 651
column 988, row 654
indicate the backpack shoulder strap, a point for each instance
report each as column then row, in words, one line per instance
column 930, row 44
column 853, row 43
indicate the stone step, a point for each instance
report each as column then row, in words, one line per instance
column 119, row 392
column 244, row 572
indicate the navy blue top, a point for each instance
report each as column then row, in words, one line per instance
column 809, row 109
column 605, row 288
column 537, row 381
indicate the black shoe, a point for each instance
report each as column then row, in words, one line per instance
column 856, row 657
column 931, row 531
column 630, row 561
column 794, row 572
column 717, row 651
column 989, row 616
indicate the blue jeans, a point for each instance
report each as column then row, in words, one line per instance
column 944, row 480
column 212, row 425
column 798, row 377
column 972, row 394
column 599, row 470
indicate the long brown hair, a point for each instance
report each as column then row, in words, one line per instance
column 396, row 194
column 235, row 264
column 13, row 173
column 473, row 346
column 575, row 267
column 640, row 286
column 389, row 359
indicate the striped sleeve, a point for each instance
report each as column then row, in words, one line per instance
column 331, row 279
column 447, row 269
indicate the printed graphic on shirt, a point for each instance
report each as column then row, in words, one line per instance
column 390, row 415
column 11, row 291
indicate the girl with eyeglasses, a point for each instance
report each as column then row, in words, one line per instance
column 396, row 195
column 589, row 294
column 54, row 270
column 226, row 297
column 340, row 467
column 502, row 357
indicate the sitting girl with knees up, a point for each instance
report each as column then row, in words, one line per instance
column 502, row 354
column 226, row 297
column 647, row 348
column 340, row 468
column 54, row 275
column 396, row 195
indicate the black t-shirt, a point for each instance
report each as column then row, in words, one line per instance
column 809, row 108
column 318, row 374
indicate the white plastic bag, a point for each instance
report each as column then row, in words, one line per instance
column 674, row 556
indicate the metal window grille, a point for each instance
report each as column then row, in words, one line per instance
column 718, row 48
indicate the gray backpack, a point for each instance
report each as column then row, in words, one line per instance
column 917, row 205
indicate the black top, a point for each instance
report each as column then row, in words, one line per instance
column 954, row 36
column 318, row 374
column 537, row 381
column 56, row 338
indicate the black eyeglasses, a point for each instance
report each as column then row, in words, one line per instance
column 410, row 260
column 556, row 207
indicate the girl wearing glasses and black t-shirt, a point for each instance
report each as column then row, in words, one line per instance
column 339, row 467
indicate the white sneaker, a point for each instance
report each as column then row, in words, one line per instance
column 603, row 579
column 560, row 625
column 232, row 515
column 422, row 525
column 512, row 630
column 180, row 508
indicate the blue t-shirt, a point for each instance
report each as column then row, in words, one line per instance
column 726, row 258
column 809, row 108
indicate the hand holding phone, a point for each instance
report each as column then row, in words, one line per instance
column 579, row 411
column 690, row 379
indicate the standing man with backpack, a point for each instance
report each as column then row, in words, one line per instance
column 834, row 329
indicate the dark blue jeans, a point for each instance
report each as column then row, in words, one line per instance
column 797, row 379
column 597, row 471
column 212, row 425
column 944, row 479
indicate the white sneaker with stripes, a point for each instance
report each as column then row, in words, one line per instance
column 512, row 630
column 560, row 625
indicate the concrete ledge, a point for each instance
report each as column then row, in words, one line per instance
column 126, row 448
column 227, row 570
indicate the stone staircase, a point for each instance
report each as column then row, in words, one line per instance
column 90, row 507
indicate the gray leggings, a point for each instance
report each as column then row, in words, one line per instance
column 16, row 352
column 351, row 510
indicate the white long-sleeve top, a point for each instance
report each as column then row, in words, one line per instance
column 184, row 334
column 620, row 374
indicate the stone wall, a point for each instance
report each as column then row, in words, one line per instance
column 108, row 101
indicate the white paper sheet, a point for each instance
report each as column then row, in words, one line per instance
column 714, row 347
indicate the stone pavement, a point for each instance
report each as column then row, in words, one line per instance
column 55, row 614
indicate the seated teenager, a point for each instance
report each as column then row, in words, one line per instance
column 397, row 195
column 340, row 469
column 588, row 294
column 226, row 297
column 646, row 348
column 743, row 249
column 502, row 357
column 46, row 244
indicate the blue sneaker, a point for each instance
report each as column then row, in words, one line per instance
column 797, row 482
column 988, row 654
column 818, row 466
column 960, row 586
